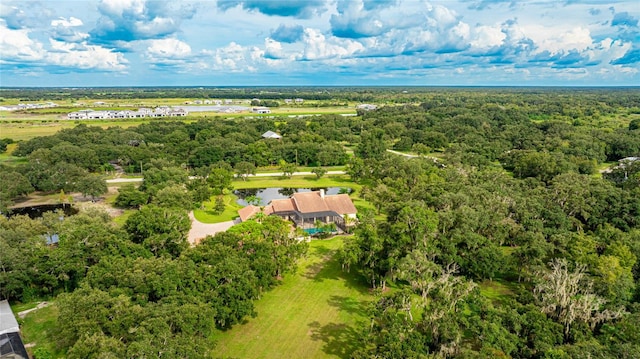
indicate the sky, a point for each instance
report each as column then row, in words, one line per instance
column 320, row 43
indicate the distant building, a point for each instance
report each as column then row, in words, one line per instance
column 288, row 101
column 27, row 106
column 260, row 109
column 366, row 107
column 162, row 111
column 299, row 100
column 272, row 135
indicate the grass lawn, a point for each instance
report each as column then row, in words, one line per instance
column 39, row 328
column 297, row 182
column 230, row 212
column 314, row 313
column 496, row 290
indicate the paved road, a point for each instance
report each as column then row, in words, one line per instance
column 125, row 180
column 278, row 174
column 434, row 159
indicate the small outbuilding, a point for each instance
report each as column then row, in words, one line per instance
column 10, row 342
column 271, row 135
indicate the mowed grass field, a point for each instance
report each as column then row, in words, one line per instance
column 315, row 313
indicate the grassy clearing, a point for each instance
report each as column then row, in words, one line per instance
column 297, row 182
column 207, row 214
column 122, row 218
column 314, row 313
column 496, row 290
column 6, row 157
column 40, row 328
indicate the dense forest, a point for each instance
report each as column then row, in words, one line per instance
column 526, row 189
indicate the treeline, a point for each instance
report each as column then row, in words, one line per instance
column 563, row 253
column 139, row 290
column 506, row 245
column 558, row 100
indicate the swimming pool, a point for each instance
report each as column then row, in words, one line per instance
column 312, row 231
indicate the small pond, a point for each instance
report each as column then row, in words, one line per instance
column 267, row 195
column 37, row 211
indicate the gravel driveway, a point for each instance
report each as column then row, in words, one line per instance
column 200, row 230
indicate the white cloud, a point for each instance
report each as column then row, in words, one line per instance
column 85, row 57
column 487, row 37
column 318, row 47
column 71, row 22
column 168, row 48
column 16, row 46
column 557, row 40
column 64, row 30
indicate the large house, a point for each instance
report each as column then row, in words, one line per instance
column 304, row 209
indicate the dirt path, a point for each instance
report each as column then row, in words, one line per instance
column 40, row 305
column 200, row 230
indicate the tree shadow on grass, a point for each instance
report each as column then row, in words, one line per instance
column 329, row 268
column 339, row 339
column 349, row 305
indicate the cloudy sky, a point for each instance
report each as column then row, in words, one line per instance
column 319, row 42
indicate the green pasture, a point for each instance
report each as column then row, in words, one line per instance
column 315, row 313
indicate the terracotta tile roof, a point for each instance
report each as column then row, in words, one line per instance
column 341, row 204
column 309, row 202
column 268, row 210
column 248, row 212
column 283, row 205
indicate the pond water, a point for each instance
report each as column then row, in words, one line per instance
column 37, row 211
column 267, row 195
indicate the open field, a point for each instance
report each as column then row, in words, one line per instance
column 313, row 314
column 44, row 122
column 19, row 130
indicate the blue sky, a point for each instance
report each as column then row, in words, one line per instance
column 319, row 42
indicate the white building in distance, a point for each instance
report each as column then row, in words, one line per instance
column 142, row 112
